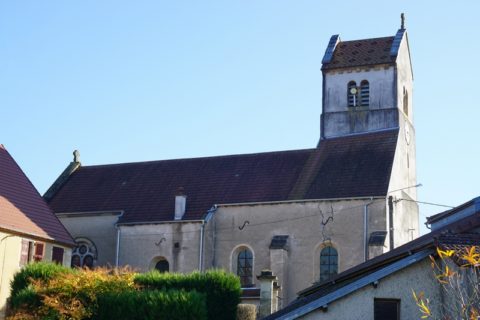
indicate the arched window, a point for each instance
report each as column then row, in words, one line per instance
column 364, row 93
column 245, row 266
column 352, row 93
column 328, row 263
column 162, row 265
column 405, row 101
column 84, row 254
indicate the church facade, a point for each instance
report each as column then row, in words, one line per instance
column 304, row 214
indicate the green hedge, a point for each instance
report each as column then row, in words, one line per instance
column 35, row 271
column 150, row 305
column 222, row 289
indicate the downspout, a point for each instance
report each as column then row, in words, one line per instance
column 365, row 228
column 209, row 216
column 117, row 248
column 390, row 220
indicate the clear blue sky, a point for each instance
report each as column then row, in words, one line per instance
column 140, row 80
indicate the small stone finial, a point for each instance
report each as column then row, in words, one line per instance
column 402, row 18
column 76, row 156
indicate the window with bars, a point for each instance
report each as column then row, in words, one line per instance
column 245, row 267
column 364, row 93
column 352, row 94
column 328, row 263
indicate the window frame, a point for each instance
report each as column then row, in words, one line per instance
column 352, row 99
column 364, row 93
column 323, row 276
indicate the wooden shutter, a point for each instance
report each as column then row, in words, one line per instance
column 38, row 252
column 25, row 252
column 57, row 255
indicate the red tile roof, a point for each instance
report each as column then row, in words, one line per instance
column 361, row 53
column 22, row 209
column 351, row 166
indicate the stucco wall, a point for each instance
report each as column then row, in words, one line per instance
column 359, row 305
column 141, row 246
column 301, row 221
column 100, row 229
column 10, row 250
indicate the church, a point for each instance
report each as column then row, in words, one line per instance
column 303, row 214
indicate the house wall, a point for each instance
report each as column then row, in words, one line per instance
column 10, row 251
column 298, row 266
column 360, row 304
column 141, row 246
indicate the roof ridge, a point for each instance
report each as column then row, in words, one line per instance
column 198, row 158
column 369, row 39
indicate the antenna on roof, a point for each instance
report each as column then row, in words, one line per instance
column 402, row 18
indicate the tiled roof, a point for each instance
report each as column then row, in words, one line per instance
column 361, row 53
column 22, row 209
column 352, row 166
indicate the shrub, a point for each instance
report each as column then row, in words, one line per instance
column 246, row 312
column 150, row 305
column 33, row 272
column 222, row 289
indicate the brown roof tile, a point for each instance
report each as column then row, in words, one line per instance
column 145, row 191
column 361, row 53
column 22, row 208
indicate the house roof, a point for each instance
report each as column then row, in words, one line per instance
column 454, row 235
column 352, row 166
column 22, row 208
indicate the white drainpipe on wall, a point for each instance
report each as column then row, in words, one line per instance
column 202, row 236
column 365, row 228
column 117, row 249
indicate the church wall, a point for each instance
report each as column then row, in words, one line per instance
column 380, row 78
column 339, row 119
column 299, row 264
column 142, row 246
column 99, row 229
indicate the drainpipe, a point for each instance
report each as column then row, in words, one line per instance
column 390, row 219
column 202, row 236
column 365, row 228
column 117, row 249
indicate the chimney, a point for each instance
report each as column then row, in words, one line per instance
column 267, row 293
column 180, row 203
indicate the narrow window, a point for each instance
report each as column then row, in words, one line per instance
column 352, row 93
column 57, row 255
column 244, row 267
column 386, row 309
column 364, row 93
column 328, row 263
column 162, row 266
column 405, row 101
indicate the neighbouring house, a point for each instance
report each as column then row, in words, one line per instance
column 304, row 214
column 29, row 231
column 381, row 288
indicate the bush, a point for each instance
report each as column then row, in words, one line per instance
column 246, row 312
column 222, row 289
column 150, row 305
column 39, row 271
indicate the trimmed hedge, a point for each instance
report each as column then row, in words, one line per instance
column 35, row 271
column 222, row 289
column 246, row 312
column 151, row 305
